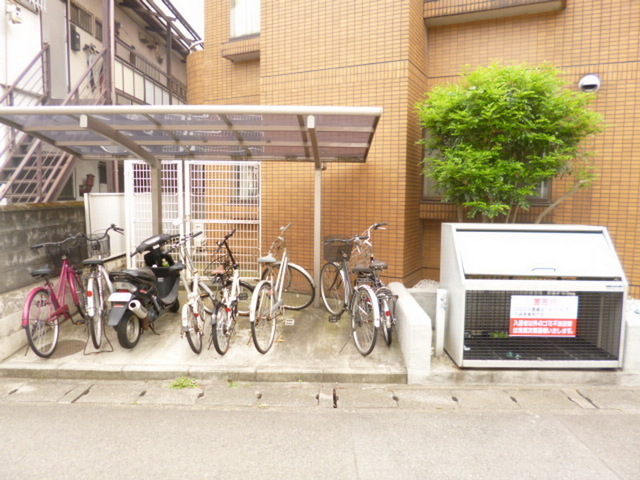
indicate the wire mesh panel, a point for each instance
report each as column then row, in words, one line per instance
column 138, row 199
column 222, row 196
column 489, row 332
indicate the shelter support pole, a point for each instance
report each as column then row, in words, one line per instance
column 317, row 207
column 317, row 232
column 156, row 200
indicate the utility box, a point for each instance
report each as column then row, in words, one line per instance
column 532, row 296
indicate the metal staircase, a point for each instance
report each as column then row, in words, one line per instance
column 31, row 170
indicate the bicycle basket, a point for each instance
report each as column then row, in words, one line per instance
column 98, row 247
column 338, row 250
column 361, row 257
column 75, row 250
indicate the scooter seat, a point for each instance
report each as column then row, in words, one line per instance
column 144, row 274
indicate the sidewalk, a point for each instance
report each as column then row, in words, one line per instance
column 310, row 350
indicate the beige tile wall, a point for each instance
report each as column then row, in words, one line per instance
column 379, row 53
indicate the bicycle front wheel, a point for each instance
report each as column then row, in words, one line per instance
column 263, row 316
column 195, row 328
column 43, row 329
column 299, row 290
column 332, row 288
column 96, row 308
column 222, row 329
column 365, row 316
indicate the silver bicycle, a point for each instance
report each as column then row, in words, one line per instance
column 284, row 285
column 98, row 286
column 369, row 302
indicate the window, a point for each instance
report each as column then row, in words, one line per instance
column 245, row 17
column 98, row 30
column 81, row 17
column 248, row 181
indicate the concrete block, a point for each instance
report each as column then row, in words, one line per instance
column 426, row 299
column 230, row 394
column 484, row 399
column 541, row 398
column 631, row 362
column 414, row 334
column 364, row 397
column 49, row 391
column 164, row 394
column 616, row 399
column 298, row 395
column 425, row 399
column 114, row 393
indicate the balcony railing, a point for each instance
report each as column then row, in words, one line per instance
column 142, row 82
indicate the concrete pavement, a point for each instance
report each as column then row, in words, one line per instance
column 308, row 348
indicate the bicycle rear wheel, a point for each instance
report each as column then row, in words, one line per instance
column 263, row 316
column 387, row 318
column 299, row 290
column 244, row 306
column 332, row 288
column 365, row 315
column 222, row 329
column 43, row 329
column 78, row 295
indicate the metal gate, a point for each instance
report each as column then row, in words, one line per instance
column 214, row 197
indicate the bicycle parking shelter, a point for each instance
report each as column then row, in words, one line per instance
column 312, row 134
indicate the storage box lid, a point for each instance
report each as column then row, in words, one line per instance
column 540, row 251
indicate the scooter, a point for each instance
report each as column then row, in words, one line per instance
column 140, row 296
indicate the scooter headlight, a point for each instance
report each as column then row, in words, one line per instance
column 121, row 286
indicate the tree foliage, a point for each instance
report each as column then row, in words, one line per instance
column 494, row 136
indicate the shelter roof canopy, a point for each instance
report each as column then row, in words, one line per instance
column 207, row 132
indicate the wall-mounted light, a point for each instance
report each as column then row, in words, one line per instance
column 590, row 83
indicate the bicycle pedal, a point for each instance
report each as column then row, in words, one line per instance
column 334, row 318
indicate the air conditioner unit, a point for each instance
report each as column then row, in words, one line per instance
column 14, row 13
column 532, row 296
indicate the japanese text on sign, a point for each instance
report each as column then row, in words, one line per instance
column 543, row 316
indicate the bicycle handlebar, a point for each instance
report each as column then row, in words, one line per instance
column 227, row 237
column 61, row 242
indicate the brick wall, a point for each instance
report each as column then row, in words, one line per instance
column 379, row 53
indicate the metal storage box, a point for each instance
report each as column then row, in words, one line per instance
column 532, row 296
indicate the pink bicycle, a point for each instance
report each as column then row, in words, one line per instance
column 46, row 308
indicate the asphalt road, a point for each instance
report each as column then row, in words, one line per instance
column 81, row 429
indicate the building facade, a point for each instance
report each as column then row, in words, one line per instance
column 389, row 53
column 83, row 52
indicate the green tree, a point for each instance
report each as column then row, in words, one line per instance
column 496, row 135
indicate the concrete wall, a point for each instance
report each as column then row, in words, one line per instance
column 20, row 227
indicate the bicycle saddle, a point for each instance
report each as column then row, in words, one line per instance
column 379, row 265
column 42, row 272
column 267, row 259
column 93, row 261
